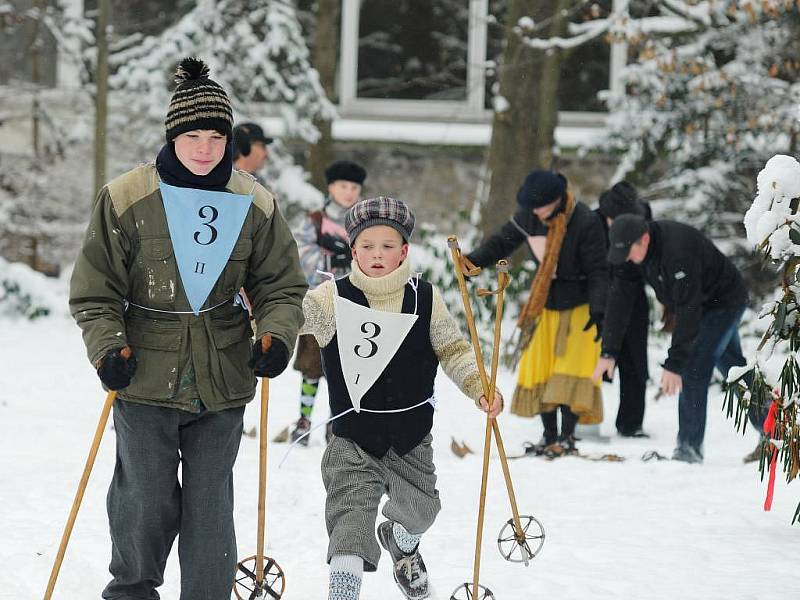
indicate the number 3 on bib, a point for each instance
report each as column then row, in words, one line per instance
column 368, row 339
column 371, row 335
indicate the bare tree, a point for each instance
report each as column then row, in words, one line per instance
column 101, row 97
column 324, row 56
column 526, row 108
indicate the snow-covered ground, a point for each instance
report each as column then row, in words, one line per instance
column 643, row 530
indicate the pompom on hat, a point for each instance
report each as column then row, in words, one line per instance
column 198, row 102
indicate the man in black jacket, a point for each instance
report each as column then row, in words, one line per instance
column 622, row 199
column 707, row 294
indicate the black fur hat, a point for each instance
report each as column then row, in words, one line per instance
column 621, row 199
column 344, row 170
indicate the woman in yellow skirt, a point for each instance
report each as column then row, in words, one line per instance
column 563, row 315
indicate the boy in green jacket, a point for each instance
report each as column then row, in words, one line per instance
column 168, row 247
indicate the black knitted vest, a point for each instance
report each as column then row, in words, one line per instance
column 406, row 381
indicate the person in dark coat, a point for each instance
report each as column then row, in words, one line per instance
column 565, row 309
column 706, row 292
column 622, row 199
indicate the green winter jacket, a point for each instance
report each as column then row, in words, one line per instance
column 182, row 359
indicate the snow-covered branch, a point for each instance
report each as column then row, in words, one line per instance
column 255, row 49
column 589, row 31
column 699, row 13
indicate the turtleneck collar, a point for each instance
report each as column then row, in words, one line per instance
column 378, row 287
column 173, row 172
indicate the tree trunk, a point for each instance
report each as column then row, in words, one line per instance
column 325, row 53
column 35, row 49
column 101, row 97
column 523, row 135
column 549, row 80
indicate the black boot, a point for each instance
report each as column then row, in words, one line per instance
column 568, row 422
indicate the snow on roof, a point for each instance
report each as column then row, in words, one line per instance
column 433, row 132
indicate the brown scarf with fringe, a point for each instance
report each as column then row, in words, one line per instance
column 556, row 229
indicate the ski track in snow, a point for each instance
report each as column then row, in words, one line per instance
column 632, row 530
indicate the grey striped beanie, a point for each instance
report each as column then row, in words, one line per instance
column 198, row 102
column 379, row 211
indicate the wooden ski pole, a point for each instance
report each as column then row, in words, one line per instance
column 502, row 285
column 266, row 342
column 491, row 425
column 512, row 498
column 458, row 261
column 87, row 470
column 503, row 279
column 455, row 252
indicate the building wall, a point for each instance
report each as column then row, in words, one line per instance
column 441, row 183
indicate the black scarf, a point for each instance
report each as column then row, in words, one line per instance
column 173, row 172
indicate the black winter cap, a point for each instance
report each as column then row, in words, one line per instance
column 244, row 134
column 621, row 199
column 624, row 232
column 344, row 170
column 540, row 188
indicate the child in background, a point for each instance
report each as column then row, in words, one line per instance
column 323, row 246
column 386, row 446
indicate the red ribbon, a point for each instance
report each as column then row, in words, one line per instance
column 769, row 429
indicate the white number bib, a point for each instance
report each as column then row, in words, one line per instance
column 368, row 340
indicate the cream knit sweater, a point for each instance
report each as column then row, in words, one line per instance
column 386, row 293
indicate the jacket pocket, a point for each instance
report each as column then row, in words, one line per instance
column 233, row 341
column 156, row 281
column 157, row 357
column 236, row 269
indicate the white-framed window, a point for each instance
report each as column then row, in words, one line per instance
column 427, row 59
column 417, row 58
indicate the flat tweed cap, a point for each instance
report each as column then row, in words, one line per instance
column 381, row 210
column 198, row 102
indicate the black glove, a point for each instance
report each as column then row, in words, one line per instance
column 272, row 362
column 333, row 243
column 115, row 371
column 597, row 320
column 341, row 261
column 340, row 251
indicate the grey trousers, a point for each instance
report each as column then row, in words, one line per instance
column 148, row 506
column 355, row 482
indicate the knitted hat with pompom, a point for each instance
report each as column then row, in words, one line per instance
column 198, row 102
